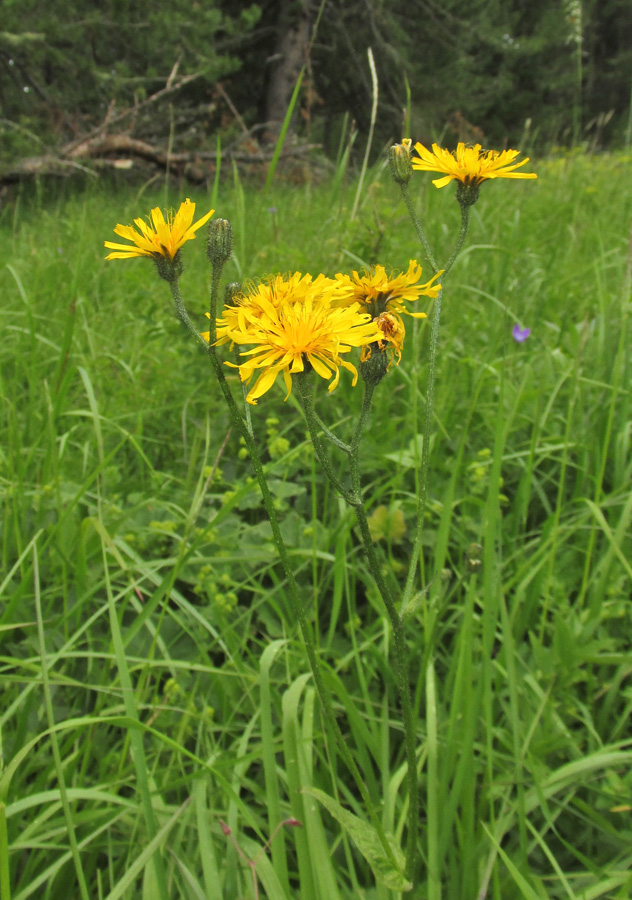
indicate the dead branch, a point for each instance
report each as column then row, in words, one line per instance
column 102, row 148
column 133, row 110
column 120, row 151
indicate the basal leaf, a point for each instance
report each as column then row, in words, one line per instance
column 366, row 839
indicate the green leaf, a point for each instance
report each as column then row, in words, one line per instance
column 521, row 882
column 387, row 524
column 366, row 839
column 410, row 457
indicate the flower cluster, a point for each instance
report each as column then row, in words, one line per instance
column 292, row 325
column 297, row 322
column 289, row 324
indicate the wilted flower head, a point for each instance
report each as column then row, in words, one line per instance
column 393, row 334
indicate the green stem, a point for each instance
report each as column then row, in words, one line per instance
column 354, row 499
column 304, row 386
column 421, row 234
column 465, row 221
column 5, row 879
column 425, row 452
column 297, row 606
column 429, row 416
column 331, row 437
column 401, row 652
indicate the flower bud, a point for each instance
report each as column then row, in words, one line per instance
column 374, row 366
column 219, row 244
column 400, row 162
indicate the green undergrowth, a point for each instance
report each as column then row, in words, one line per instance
column 167, row 669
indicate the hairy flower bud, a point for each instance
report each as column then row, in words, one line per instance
column 400, row 162
column 374, row 366
column 219, row 244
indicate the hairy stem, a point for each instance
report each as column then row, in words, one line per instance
column 354, row 499
column 315, row 426
column 429, row 416
column 421, row 234
column 401, row 652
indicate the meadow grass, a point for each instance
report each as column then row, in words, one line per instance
column 154, row 685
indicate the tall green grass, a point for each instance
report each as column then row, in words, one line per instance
column 151, row 684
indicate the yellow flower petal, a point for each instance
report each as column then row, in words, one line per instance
column 377, row 292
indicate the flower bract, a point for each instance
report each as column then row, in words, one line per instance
column 469, row 165
column 159, row 237
column 291, row 325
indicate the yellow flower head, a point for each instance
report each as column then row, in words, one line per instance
column 469, row 165
column 277, row 291
column 377, row 292
column 158, row 238
column 383, row 296
column 291, row 325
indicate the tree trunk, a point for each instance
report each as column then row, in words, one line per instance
column 289, row 57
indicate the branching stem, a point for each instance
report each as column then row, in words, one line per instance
column 268, row 501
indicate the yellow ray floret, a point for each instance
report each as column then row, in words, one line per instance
column 294, row 330
column 277, row 291
column 379, row 292
column 158, row 237
column 470, row 165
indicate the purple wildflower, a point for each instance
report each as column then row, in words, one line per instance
column 520, row 334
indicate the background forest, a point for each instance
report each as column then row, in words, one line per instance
column 501, row 73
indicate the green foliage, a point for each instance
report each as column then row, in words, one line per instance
column 486, row 71
column 113, row 462
column 386, row 871
column 64, row 67
column 499, row 73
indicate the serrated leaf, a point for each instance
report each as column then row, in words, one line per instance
column 366, row 839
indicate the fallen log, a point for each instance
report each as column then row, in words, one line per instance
column 123, row 152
